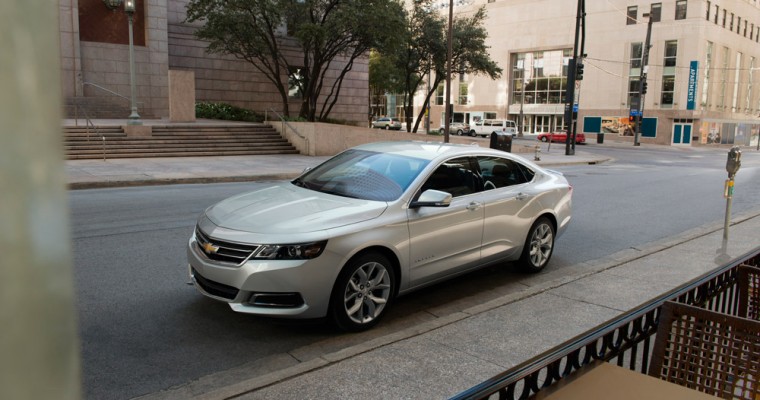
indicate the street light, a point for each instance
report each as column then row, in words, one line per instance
column 134, row 117
column 129, row 8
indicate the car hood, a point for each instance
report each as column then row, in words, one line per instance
column 283, row 208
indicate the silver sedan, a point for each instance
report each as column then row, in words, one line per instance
column 372, row 223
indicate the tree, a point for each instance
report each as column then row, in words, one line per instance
column 305, row 46
column 384, row 76
column 426, row 52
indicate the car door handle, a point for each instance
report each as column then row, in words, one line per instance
column 474, row 206
column 522, row 196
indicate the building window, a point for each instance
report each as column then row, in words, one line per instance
column 671, row 51
column 669, row 74
column 725, row 14
column 463, row 88
column 731, row 25
column 636, row 55
column 723, row 79
column 634, row 71
column 681, row 9
column 655, row 13
column 439, row 95
column 717, row 11
column 735, row 101
column 745, row 28
column 707, row 15
column 539, row 77
column 633, row 89
column 632, row 15
column 748, row 100
column 706, row 80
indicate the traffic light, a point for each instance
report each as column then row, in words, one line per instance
column 579, row 71
column 644, row 87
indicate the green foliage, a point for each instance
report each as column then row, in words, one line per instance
column 295, row 43
column 226, row 112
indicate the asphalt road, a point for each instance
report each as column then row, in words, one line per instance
column 143, row 329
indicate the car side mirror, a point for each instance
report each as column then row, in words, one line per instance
column 432, row 198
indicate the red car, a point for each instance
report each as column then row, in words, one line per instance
column 561, row 137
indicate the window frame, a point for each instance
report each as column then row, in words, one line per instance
column 682, row 8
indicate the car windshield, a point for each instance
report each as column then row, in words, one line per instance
column 364, row 175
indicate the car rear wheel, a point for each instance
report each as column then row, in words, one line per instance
column 388, row 127
column 544, row 139
column 539, row 246
column 362, row 292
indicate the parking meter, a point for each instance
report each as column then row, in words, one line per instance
column 734, row 161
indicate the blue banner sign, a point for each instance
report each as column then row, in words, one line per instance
column 691, row 94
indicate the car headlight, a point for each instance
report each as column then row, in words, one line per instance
column 302, row 251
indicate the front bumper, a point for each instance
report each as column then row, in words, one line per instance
column 282, row 288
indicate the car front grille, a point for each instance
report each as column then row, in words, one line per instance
column 218, row 250
column 215, row 288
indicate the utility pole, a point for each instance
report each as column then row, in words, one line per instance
column 575, row 73
column 449, row 55
column 642, row 83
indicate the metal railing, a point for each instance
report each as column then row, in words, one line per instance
column 286, row 124
column 89, row 124
column 95, row 85
column 626, row 340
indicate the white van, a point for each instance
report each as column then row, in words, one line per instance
column 487, row 126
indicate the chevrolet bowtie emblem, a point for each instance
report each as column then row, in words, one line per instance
column 209, row 248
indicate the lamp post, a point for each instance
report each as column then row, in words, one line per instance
column 134, row 117
column 129, row 9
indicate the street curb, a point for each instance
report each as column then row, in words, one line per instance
column 178, row 181
column 591, row 268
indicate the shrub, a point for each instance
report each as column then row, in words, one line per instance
column 226, row 112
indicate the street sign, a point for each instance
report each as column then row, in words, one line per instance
column 575, row 107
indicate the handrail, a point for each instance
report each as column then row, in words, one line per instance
column 95, row 85
column 88, row 124
column 285, row 123
column 624, row 338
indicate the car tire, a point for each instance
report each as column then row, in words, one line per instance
column 472, row 133
column 539, row 246
column 387, row 127
column 544, row 139
column 362, row 293
column 459, row 132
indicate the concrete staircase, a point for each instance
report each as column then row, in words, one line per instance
column 175, row 141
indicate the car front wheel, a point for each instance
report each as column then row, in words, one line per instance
column 362, row 292
column 544, row 139
column 539, row 246
column 472, row 133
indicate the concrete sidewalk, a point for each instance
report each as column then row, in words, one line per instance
column 88, row 174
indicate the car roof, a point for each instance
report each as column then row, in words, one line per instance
column 429, row 150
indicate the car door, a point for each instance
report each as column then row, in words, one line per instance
column 510, row 205
column 445, row 240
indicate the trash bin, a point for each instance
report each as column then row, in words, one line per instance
column 600, row 138
column 501, row 141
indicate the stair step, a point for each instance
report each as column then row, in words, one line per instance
column 83, row 142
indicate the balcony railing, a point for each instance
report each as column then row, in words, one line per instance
column 626, row 340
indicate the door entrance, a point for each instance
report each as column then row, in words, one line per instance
column 682, row 134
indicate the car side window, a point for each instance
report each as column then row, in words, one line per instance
column 455, row 176
column 501, row 172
